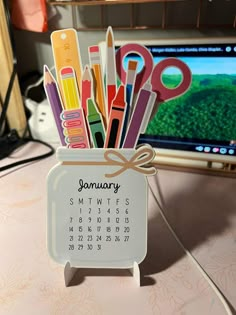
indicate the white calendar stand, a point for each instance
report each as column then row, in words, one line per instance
column 97, row 209
column 69, row 273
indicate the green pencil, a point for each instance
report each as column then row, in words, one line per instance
column 95, row 124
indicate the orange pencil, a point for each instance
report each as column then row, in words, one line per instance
column 116, row 119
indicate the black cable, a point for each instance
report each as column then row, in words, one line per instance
column 34, row 158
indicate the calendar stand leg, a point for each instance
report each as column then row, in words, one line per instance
column 69, row 273
column 135, row 271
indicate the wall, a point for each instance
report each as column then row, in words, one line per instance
column 33, row 49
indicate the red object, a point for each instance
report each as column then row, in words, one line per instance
column 86, row 94
column 111, row 93
column 116, row 119
column 164, row 93
column 67, row 70
column 86, row 89
column 29, row 15
column 93, row 49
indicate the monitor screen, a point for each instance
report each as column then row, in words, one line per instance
column 203, row 119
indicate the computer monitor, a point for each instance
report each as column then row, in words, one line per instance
column 196, row 128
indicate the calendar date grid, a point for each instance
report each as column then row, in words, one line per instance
column 91, row 228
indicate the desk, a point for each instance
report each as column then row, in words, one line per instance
column 201, row 209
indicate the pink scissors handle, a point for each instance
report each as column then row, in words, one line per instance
column 164, row 93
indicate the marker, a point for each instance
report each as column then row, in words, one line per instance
column 75, row 130
column 129, row 85
column 66, row 53
column 86, row 90
column 110, row 69
column 137, row 117
column 95, row 63
column 54, row 99
column 96, row 125
column 116, row 119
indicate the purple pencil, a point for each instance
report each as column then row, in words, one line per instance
column 54, row 99
column 137, row 117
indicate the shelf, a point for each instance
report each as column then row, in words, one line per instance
column 107, row 2
column 171, row 14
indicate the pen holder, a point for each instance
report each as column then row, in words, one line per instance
column 97, row 207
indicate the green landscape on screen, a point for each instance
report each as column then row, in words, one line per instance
column 207, row 110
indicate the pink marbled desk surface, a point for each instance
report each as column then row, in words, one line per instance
column 202, row 210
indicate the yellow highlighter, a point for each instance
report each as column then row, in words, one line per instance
column 95, row 63
column 66, row 53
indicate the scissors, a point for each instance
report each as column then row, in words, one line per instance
column 153, row 73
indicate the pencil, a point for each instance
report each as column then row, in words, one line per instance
column 110, row 69
column 95, row 63
column 86, row 89
column 69, row 88
column 54, row 99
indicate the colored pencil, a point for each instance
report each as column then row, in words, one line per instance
column 96, row 126
column 54, row 99
column 86, row 90
column 110, row 69
column 116, row 119
column 95, row 64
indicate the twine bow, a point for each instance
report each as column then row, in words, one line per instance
column 113, row 157
column 138, row 161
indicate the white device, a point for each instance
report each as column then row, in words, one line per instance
column 41, row 121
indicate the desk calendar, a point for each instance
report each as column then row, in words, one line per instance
column 97, row 207
column 97, row 193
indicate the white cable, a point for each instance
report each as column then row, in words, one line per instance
column 37, row 83
column 191, row 257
